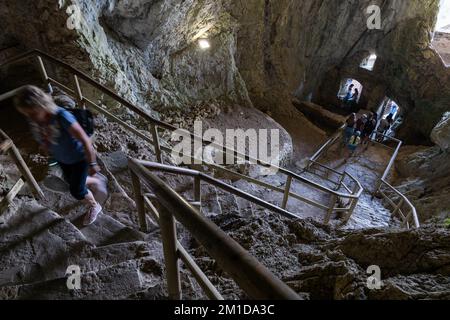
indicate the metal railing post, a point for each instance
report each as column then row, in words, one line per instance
column 156, row 143
column 169, row 238
column 198, row 192
column 78, row 93
column 351, row 210
column 330, row 209
column 354, row 203
column 377, row 188
column 140, row 203
column 25, row 171
column 44, row 73
column 286, row 192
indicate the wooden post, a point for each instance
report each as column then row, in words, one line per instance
column 156, row 144
column 25, row 171
column 378, row 187
column 351, row 210
column 169, row 238
column 44, row 74
column 286, row 192
column 139, row 198
column 5, row 145
column 79, row 94
column 198, row 192
column 330, row 209
column 354, row 203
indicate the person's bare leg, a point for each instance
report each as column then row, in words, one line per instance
column 98, row 188
column 92, row 182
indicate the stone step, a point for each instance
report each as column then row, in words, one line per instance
column 100, row 258
column 371, row 214
column 106, row 230
column 113, row 283
column 36, row 243
column 211, row 204
column 228, row 201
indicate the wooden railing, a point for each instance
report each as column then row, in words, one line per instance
column 161, row 146
column 8, row 147
column 252, row 277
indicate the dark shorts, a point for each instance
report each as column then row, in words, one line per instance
column 76, row 175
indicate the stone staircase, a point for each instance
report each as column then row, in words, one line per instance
column 119, row 262
column 367, row 165
column 37, row 245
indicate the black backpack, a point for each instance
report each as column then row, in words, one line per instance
column 85, row 118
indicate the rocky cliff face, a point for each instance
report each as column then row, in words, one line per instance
column 262, row 51
column 425, row 174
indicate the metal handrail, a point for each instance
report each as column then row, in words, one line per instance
column 217, row 183
column 145, row 115
column 327, row 145
column 155, row 124
column 403, row 199
column 255, row 279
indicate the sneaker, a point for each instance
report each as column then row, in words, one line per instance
column 92, row 215
column 52, row 162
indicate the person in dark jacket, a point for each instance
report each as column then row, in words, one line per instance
column 349, row 129
column 369, row 129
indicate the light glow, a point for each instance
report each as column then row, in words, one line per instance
column 443, row 21
column 204, row 44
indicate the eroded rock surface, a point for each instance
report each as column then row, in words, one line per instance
column 329, row 264
column 262, row 52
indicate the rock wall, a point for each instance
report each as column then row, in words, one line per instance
column 146, row 50
column 407, row 70
column 425, row 174
column 262, row 51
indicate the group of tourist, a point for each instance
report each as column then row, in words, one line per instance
column 360, row 129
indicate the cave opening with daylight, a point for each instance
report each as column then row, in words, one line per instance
column 347, row 91
column 368, row 62
column 441, row 38
column 390, row 109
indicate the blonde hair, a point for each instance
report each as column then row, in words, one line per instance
column 30, row 97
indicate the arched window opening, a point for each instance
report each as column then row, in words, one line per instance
column 350, row 90
column 391, row 113
column 369, row 62
column 441, row 39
